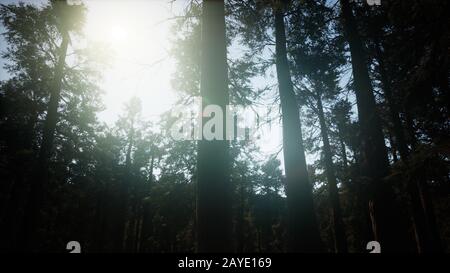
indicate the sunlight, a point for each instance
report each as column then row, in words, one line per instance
column 137, row 38
column 118, row 34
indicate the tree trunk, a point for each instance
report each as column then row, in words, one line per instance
column 214, row 221
column 125, row 224
column 340, row 239
column 387, row 225
column 37, row 191
column 303, row 229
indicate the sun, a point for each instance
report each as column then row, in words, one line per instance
column 136, row 40
column 118, row 34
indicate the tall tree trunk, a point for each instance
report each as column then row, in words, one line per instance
column 125, row 224
column 52, row 112
column 387, row 225
column 303, row 229
column 37, row 190
column 214, row 221
column 340, row 239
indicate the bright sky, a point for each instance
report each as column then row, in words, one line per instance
column 138, row 33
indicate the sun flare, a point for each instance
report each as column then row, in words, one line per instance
column 132, row 32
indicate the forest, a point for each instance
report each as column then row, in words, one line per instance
column 357, row 90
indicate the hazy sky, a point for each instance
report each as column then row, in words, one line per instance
column 138, row 33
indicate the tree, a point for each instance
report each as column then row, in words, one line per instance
column 316, row 63
column 379, row 29
column 42, row 64
column 213, row 182
column 303, row 230
column 383, row 209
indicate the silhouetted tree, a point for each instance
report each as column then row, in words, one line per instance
column 213, row 182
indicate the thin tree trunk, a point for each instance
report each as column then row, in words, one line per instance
column 340, row 239
column 214, row 221
column 303, row 229
column 126, row 215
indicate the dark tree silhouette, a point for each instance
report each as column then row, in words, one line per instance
column 383, row 209
column 213, row 185
column 303, row 230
